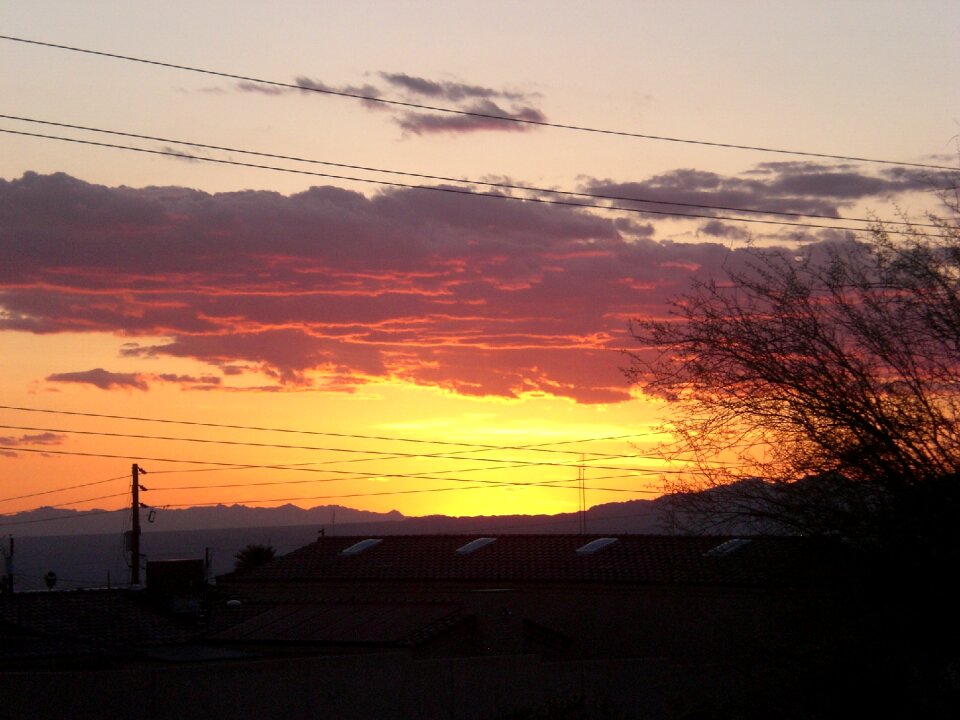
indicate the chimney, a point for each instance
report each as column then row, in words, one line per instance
column 177, row 585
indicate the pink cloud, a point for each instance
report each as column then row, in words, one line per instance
column 331, row 289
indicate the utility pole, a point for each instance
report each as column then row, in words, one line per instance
column 582, row 487
column 135, row 527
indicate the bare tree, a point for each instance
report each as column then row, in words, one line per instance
column 818, row 389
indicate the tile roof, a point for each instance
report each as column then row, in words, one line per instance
column 632, row 559
column 355, row 623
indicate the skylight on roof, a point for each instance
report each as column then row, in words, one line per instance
column 595, row 545
column 727, row 547
column 359, row 547
column 474, row 545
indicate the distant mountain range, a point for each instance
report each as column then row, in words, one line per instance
column 638, row 516
column 45, row 521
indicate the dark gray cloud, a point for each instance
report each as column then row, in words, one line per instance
column 485, row 117
column 262, row 88
column 457, row 96
column 631, row 228
column 106, row 380
column 191, row 155
column 716, row 228
column 103, row 379
column 370, row 91
column 28, row 441
column 782, row 187
column 797, row 167
column 189, row 379
column 452, row 91
column 309, row 84
column 478, row 101
column 46, row 438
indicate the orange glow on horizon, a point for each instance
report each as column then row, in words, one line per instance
column 422, row 474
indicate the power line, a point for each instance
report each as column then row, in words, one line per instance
column 505, row 186
column 484, row 484
column 294, row 466
column 551, row 484
column 62, row 489
column 448, row 190
column 502, row 464
column 540, row 447
column 304, row 482
column 387, row 492
column 554, row 485
column 239, row 443
column 351, row 473
column 633, row 472
column 469, row 113
column 80, row 502
column 311, row 466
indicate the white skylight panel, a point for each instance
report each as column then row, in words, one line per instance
column 474, row 545
column 727, row 547
column 595, row 545
column 359, row 547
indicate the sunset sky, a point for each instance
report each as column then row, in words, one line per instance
column 372, row 290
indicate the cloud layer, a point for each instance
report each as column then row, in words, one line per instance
column 331, row 289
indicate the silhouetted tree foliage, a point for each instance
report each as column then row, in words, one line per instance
column 253, row 556
column 818, row 389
